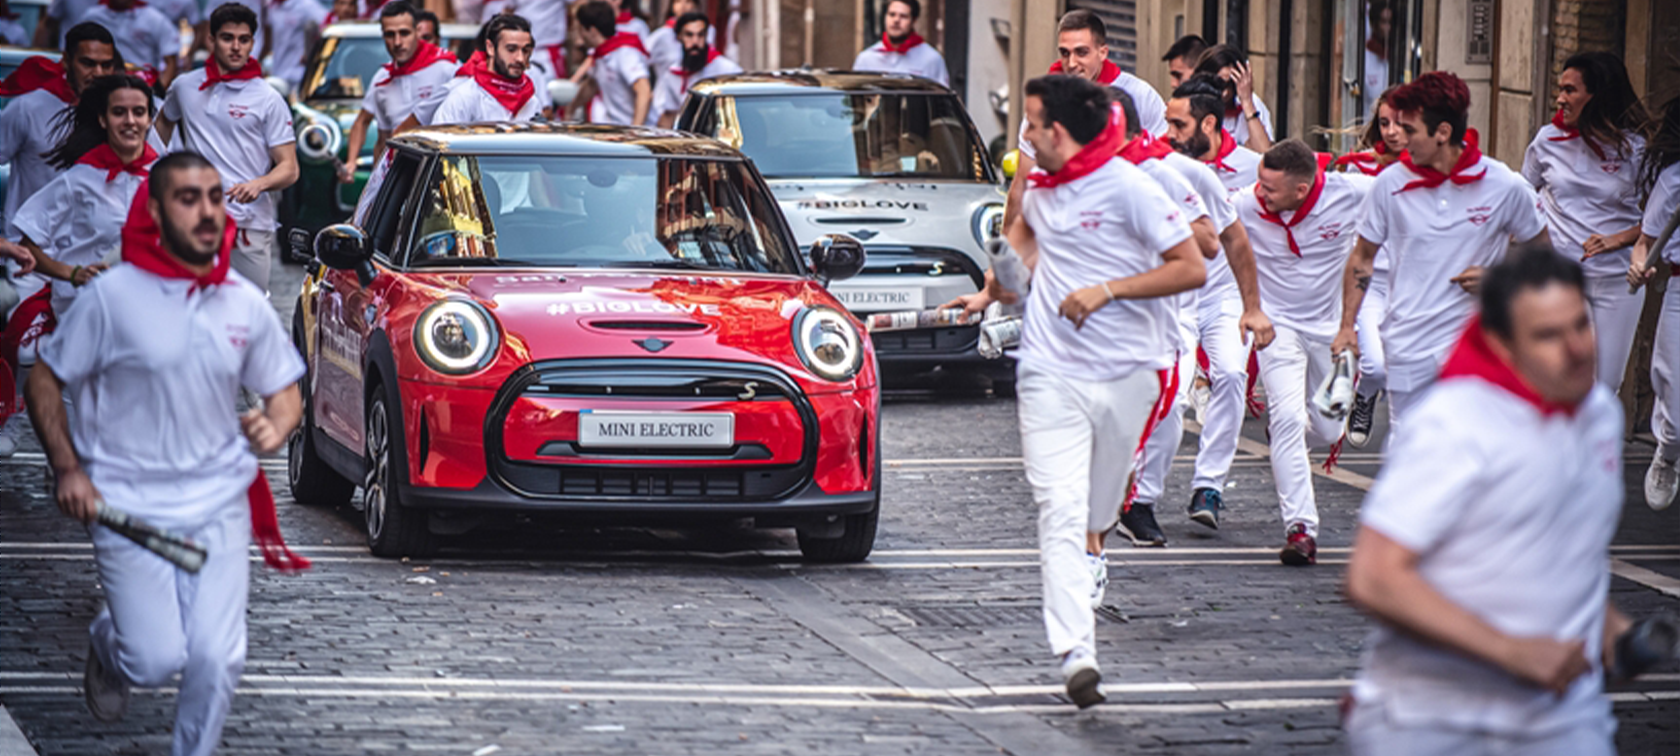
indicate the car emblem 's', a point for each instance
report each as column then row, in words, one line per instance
column 748, row 391
column 864, row 234
column 652, row 343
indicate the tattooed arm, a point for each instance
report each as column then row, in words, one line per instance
column 1356, row 279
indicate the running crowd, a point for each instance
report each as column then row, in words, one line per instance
column 1170, row 242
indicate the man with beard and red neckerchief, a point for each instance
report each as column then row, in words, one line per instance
column 145, row 37
column 618, row 64
column 901, row 49
column 700, row 61
column 228, row 114
column 154, row 354
column 1107, row 250
column 1384, row 141
column 665, row 51
column 1443, row 216
column 419, row 71
column 500, row 91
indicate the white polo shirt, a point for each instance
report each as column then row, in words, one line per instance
column 635, row 26
column 1304, row 293
column 77, row 219
column 289, row 22
column 921, row 60
column 548, row 22
column 154, row 373
column 615, row 74
column 1582, row 194
column 29, row 126
column 1179, row 189
column 1237, row 123
column 68, row 13
column 1512, row 513
column 467, row 102
column 233, row 124
column 671, row 88
column 1151, row 109
column 1221, row 282
column 1663, row 203
column 1238, row 170
column 143, row 35
column 1432, row 235
column 392, row 101
column 1111, row 223
column 178, row 10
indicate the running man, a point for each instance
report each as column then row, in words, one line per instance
column 700, row 61
column 901, row 49
column 40, row 89
column 618, row 65
column 419, row 72
column 499, row 91
column 144, row 36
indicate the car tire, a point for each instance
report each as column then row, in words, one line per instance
column 311, row 479
column 392, row 529
column 855, row 541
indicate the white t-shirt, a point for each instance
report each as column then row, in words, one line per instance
column 392, row 102
column 615, row 74
column 1238, row 170
column 548, row 22
column 1512, row 513
column 1304, row 292
column 29, row 126
column 68, row 13
column 1221, row 282
column 467, row 102
column 143, row 35
column 178, row 10
column 671, row 88
column 1582, row 194
column 289, row 23
column 1179, row 189
column 635, row 26
column 233, row 124
column 1112, row 223
column 77, row 219
column 1238, row 124
column 154, row 373
column 1432, row 235
column 1151, row 110
column 1664, row 202
column 921, row 60
column 1376, row 81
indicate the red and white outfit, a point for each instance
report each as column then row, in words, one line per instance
column 1589, row 188
column 1300, row 257
column 484, row 95
column 77, row 218
column 30, row 126
column 233, row 120
column 397, row 91
column 1087, row 395
column 915, row 57
column 1151, row 109
column 67, row 13
column 1236, row 122
column 144, row 36
column 288, row 24
column 1663, row 203
column 1434, row 226
column 628, row 23
column 1511, row 503
column 671, row 88
column 665, row 50
column 1373, row 365
column 548, row 33
column 153, row 359
column 620, row 62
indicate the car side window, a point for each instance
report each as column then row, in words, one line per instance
column 385, row 217
column 697, row 115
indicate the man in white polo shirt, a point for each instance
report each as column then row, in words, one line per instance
column 497, row 90
column 1302, row 222
column 153, row 355
column 419, row 71
column 1484, row 547
column 700, row 61
column 618, row 65
column 1450, row 213
column 144, row 36
column 293, row 28
column 243, row 127
column 901, row 49
column 1108, row 250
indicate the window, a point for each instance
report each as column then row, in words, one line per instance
column 833, row 135
column 387, row 209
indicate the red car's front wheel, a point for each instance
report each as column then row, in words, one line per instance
column 392, row 530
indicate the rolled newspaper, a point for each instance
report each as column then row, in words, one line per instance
column 906, row 320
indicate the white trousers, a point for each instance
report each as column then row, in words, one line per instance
column 1078, row 438
column 1291, row 369
column 1615, row 315
column 1373, row 365
column 1162, row 444
column 159, row 621
column 1228, row 374
column 252, row 251
column 1371, row 733
column 1665, row 377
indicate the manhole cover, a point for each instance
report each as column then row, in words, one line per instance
column 989, row 615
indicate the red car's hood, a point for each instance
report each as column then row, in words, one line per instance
column 579, row 314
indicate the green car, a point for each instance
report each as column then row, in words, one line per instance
column 341, row 67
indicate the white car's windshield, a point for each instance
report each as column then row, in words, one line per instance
column 831, row 135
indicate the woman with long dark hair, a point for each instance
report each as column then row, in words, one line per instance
column 1659, row 182
column 1583, row 164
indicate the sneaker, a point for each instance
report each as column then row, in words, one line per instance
column 1138, row 523
column 1661, row 481
column 1083, row 678
column 1205, row 505
column 1301, row 550
column 106, row 692
column 1360, row 419
column 1099, row 578
column 8, row 445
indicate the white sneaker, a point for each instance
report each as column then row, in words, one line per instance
column 8, row 445
column 1661, row 481
column 1098, row 563
column 1083, row 678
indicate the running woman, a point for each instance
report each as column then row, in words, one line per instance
column 1245, row 114
column 1584, row 164
column 1443, row 217
column 419, row 72
column 1659, row 181
column 1383, row 141
column 154, row 354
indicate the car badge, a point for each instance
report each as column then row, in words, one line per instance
column 652, row 343
column 864, row 234
column 748, row 392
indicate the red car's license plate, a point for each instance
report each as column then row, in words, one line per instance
column 605, row 429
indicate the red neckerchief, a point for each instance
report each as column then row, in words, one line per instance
column 1227, row 145
column 1145, row 147
column 1570, row 132
column 213, row 73
column 425, row 55
column 1300, row 212
column 621, row 39
column 1429, row 178
column 909, row 42
column 39, row 72
column 1370, row 162
column 1472, row 357
column 1092, row 156
column 475, row 62
column 1110, row 72
column 711, row 55
column 671, row 23
column 104, row 158
column 624, row 17
column 511, row 94
column 1378, row 47
column 142, row 248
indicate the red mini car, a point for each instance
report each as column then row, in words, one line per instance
column 600, row 325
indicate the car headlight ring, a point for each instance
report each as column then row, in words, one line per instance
column 456, row 337
column 320, row 138
column 988, row 223
column 827, row 343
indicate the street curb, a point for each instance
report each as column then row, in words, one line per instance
column 12, row 741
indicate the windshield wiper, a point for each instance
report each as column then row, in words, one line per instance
column 489, row 262
column 661, row 264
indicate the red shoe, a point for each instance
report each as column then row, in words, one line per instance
column 1301, row 550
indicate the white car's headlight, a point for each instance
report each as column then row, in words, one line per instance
column 988, row 223
column 320, row 138
column 827, row 343
column 456, row 337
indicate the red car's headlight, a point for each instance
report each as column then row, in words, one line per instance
column 827, row 343
column 456, row 337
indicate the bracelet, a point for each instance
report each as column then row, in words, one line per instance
column 1106, row 291
column 73, row 272
column 1254, row 115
